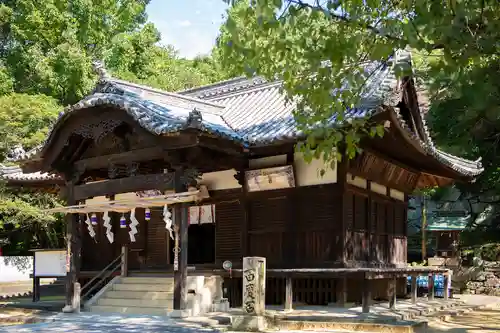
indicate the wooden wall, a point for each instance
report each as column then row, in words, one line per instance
column 300, row 227
column 375, row 229
column 291, row 227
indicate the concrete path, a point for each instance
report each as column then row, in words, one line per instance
column 479, row 321
column 100, row 323
column 482, row 320
column 89, row 327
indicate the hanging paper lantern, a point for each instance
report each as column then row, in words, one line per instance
column 147, row 214
column 123, row 222
column 93, row 219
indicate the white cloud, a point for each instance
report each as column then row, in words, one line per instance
column 185, row 23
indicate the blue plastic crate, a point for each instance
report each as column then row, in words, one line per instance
column 423, row 283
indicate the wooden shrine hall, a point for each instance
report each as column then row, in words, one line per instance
column 186, row 181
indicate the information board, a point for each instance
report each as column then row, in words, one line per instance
column 50, row 263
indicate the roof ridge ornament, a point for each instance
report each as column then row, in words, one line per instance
column 100, row 69
column 16, row 153
column 194, row 119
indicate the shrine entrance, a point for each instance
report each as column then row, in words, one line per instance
column 201, row 235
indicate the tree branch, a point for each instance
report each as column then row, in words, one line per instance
column 371, row 28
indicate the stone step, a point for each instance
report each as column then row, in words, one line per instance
column 130, row 310
column 146, row 303
column 143, row 287
column 147, row 280
column 153, row 295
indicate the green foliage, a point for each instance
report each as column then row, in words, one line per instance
column 49, row 46
column 24, row 223
column 46, row 49
column 24, row 120
column 467, row 121
column 24, row 207
column 291, row 40
column 490, row 252
column 418, row 264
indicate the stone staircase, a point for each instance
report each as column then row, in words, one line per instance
column 136, row 295
column 155, row 296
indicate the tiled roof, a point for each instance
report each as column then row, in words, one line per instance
column 14, row 173
column 461, row 165
column 157, row 111
column 223, row 87
column 272, row 119
column 249, row 111
column 259, row 111
column 19, row 154
column 447, row 223
column 160, row 118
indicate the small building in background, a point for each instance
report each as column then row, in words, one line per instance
column 446, row 227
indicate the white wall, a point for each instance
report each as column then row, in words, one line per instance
column 15, row 268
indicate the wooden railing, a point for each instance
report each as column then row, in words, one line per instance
column 286, row 281
column 119, row 263
column 366, row 288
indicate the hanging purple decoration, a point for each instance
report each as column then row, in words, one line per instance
column 123, row 222
column 147, row 214
column 93, row 219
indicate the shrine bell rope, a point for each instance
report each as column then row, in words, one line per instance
column 126, row 205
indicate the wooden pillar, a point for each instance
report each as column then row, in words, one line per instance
column 414, row 289
column 36, row 288
column 430, row 287
column 424, row 228
column 393, row 293
column 288, row 294
column 245, row 203
column 245, row 227
column 180, row 275
column 438, row 234
column 370, row 233
column 342, row 292
column 73, row 240
column 291, row 234
column 124, row 261
column 36, row 282
column 341, row 255
column 181, row 225
column 367, row 295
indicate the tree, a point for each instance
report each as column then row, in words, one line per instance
column 24, row 223
column 293, row 40
column 47, row 49
column 25, row 119
column 49, row 46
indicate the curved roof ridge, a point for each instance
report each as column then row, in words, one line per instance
column 247, row 90
column 224, row 87
column 164, row 92
column 213, row 85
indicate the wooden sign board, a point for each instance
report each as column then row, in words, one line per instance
column 270, row 178
column 201, row 214
column 50, row 263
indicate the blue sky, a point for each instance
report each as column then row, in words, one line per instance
column 191, row 26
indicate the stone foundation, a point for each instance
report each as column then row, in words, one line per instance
column 483, row 279
column 485, row 283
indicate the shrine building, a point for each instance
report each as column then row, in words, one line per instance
column 180, row 183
